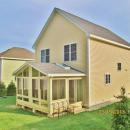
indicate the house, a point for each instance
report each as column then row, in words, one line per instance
column 78, row 65
column 12, row 59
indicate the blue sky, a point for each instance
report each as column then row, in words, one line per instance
column 22, row 20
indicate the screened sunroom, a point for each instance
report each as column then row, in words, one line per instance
column 49, row 88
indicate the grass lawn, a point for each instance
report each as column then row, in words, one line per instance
column 12, row 118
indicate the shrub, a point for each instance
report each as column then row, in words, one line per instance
column 2, row 89
column 11, row 89
column 121, row 116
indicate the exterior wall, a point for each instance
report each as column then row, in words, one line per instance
column 103, row 59
column 8, row 67
column 59, row 33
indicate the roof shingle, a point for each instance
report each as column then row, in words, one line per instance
column 52, row 69
column 16, row 52
column 91, row 28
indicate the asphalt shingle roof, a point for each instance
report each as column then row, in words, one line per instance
column 52, row 69
column 91, row 28
column 16, row 52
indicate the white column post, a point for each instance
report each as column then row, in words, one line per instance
column 30, row 84
column 67, row 89
column 49, row 95
column 39, row 91
column 75, row 90
column 21, row 83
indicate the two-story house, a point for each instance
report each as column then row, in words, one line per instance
column 10, row 60
column 78, row 65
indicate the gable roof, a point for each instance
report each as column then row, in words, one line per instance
column 52, row 69
column 86, row 26
column 18, row 53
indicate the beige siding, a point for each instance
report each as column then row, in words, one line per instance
column 59, row 33
column 103, row 59
column 8, row 67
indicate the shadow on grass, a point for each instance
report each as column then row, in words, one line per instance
column 8, row 105
column 82, row 121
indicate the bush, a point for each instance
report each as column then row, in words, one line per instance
column 121, row 116
column 2, row 89
column 11, row 89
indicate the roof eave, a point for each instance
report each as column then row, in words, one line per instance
column 44, row 28
column 11, row 58
column 109, row 41
column 66, row 75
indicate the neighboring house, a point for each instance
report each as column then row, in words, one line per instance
column 78, row 65
column 12, row 59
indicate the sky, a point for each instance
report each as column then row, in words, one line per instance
column 22, row 20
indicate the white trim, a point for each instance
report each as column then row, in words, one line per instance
column 107, row 84
column 44, row 49
column 44, row 28
column 9, row 58
column 89, row 73
column 109, row 41
column 75, row 24
column 64, row 75
column 69, row 44
column 27, row 64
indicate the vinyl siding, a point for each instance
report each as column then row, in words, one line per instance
column 59, row 33
column 103, row 59
column 8, row 67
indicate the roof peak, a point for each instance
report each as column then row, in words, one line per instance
column 95, row 28
column 17, row 52
column 86, row 26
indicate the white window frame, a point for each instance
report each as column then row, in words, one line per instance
column 70, row 52
column 118, row 66
column 45, row 55
column 107, row 78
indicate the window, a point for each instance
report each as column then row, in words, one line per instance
column 73, row 52
column 70, row 53
column 35, row 88
column 19, row 86
column 119, row 66
column 66, row 53
column 58, row 89
column 26, row 72
column 43, row 89
column 25, row 87
column 75, row 91
column 45, row 56
column 107, row 78
column 35, row 73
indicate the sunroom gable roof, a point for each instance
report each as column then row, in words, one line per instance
column 52, row 70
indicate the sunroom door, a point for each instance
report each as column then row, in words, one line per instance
column 75, row 91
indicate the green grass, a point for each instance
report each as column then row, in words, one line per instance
column 13, row 118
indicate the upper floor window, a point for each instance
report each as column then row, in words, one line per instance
column 45, row 56
column 70, row 52
column 66, row 53
column 119, row 66
column 107, row 78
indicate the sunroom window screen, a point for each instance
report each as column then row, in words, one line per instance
column 43, row 87
column 58, row 89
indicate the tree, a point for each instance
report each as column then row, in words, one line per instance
column 2, row 89
column 11, row 89
column 121, row 116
